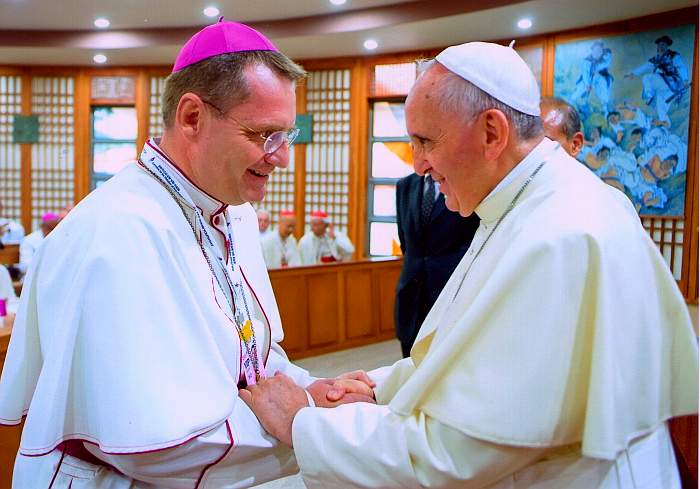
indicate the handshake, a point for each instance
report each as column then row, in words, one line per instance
column 275, row 401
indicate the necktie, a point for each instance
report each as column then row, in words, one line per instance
column 428, row 200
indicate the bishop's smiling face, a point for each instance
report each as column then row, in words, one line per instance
column 236, row 168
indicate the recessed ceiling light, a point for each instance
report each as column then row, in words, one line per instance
column 338, row 2
column 211, row 11
column 101, row 22
column 99, row 58
column 370, row 44
column 525, row 23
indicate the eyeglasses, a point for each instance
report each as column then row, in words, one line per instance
column 271, row 142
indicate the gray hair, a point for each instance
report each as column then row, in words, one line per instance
column 221, row 80
column 571, row 121
column 455, row 94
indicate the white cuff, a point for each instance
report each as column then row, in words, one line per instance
column 310, row 399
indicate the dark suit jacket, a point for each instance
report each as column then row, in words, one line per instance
column 430, row 254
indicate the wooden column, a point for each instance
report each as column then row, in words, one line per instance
column 26, row 158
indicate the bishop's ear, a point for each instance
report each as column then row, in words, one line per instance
column 189, row 114
column 496, row 132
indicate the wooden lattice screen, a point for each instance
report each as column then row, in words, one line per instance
column 280, row 191
column 53, row 157
column 155, row 116
column 667, row 233
column 10, row 153
column 328, row 155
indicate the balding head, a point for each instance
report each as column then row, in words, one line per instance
column 562, row 124
column 286, row 224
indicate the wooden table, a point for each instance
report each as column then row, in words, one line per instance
column 9, row 255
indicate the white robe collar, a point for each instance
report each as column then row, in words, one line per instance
column 209, row 205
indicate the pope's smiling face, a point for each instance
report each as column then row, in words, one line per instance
column 447, row 145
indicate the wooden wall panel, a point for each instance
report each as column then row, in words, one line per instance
column 386, row 284
column 358, row 297
column 291, row 295
column 337, row 306
column 12, row 92
column 323, row 309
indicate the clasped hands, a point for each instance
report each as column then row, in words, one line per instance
column 276, row 400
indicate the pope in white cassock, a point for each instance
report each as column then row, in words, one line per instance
column 557, row 350
column 149, row 305
column 323, row 244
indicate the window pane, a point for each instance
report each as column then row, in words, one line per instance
column 112, row 157
column 389, row 120
column 114, row 123
column 384, row 200
column 393, row 79
column 391, row 160
column 383, row 239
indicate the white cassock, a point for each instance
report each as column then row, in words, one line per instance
column 280, row 253
column 125, row 344
column 27, row 249
column 313, row 248
column 556, row 365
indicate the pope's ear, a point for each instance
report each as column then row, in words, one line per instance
column 189, row 114
column 496, row 133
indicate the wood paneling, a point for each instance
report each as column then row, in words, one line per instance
column 322, row 300
column 359, row 321
column 684, row 431
column 9, row 255
column 386, row 284
column 336, row 306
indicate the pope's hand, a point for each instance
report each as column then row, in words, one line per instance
column 334, row 392
column 275, row 401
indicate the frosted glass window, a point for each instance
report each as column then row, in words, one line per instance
column 389, row 120
column 112, row 157
column 114, row 123
column 384, row 200
column 384, row 239
column 391, row 159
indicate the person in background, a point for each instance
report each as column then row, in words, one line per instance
column 433, row 241
column 8, row 299
column 562, row 124
column 150, row 305
column 11, row 232
column 30, row 244
column 559, row 348
column 279, row 247
column 263, row 222
column 323, row 244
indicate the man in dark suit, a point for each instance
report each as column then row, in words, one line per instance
column 433, row 241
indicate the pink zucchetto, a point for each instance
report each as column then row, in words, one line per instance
column 49, row 216
column 221, row 38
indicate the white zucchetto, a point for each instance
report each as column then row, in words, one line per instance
column 497, row 70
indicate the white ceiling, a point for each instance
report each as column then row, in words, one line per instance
column 332, row 30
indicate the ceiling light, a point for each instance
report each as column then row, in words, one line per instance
column 370, row 44
column 101, row 22
column 338, row 2
column 99, row 58
column 211, row 11
column 525, row 23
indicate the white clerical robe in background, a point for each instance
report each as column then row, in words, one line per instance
column 124, row 340
column 13, row 232
column 312, row 248
column 278, row 252
column 556, row 366
column 27, row 249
